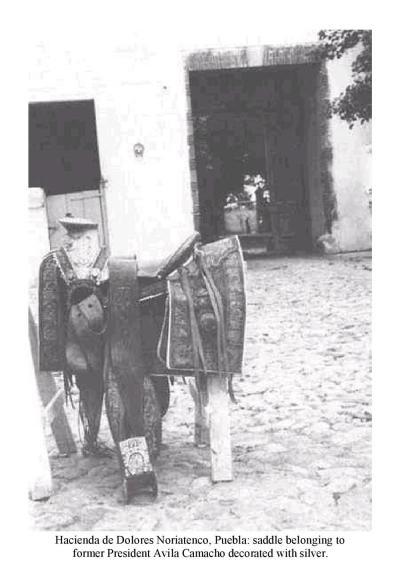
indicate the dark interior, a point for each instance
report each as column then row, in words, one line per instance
column 63, row 147
column 252, row 121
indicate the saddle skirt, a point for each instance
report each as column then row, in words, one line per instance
column 52, row 310
column 71, row 315
column 204, row 322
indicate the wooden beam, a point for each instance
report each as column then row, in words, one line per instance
column 40, row 479
column 48, row 391
column 201, row 434
column 37, row 461
column 53, row 407
column 220, row 429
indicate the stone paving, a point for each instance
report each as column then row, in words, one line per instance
column 301, row 429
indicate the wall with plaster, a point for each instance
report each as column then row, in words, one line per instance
column 140, row 97
column 38, row 239
column 351, row 168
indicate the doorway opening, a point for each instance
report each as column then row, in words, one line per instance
column 64, row 162
column 250, row 128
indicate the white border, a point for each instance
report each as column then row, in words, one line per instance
column 31, row 556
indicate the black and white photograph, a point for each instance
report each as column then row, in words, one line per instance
column 200, row 271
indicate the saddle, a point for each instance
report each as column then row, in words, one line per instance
column 191, row 311
column 126, row 322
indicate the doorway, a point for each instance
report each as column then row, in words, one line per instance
column 249, row 130
column 64, row 162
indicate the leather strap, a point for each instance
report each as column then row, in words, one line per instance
column 125, row 339
column 65, row 266
column 199, row 361
column 218, row 308
column 216, row 284
column 101, row 259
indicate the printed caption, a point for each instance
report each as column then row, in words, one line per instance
column 113, row 546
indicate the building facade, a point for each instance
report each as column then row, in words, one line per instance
column 152, row 143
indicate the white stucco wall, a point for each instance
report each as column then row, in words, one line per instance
column 351, row 168
column 140, row 97
column 38, row 240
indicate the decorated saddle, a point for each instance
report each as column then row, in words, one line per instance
column 191, row 313
column 122, row 329
column 89, row 328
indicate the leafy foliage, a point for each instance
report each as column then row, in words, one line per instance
column 355, row 103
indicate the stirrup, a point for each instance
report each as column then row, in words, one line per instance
column 141, row 484
column 138, row 471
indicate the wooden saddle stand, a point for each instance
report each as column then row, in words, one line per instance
column 123, row 330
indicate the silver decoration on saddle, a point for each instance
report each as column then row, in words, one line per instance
column 135, row 456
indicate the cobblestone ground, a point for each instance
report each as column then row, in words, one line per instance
column 301, row 430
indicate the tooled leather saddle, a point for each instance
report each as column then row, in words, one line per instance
column 191, row 311
column 185, row 316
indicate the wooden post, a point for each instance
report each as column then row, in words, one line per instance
column 220, row 429
column 38, row 464
column 40, row 480
column 201, row 434
column 51, row 398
